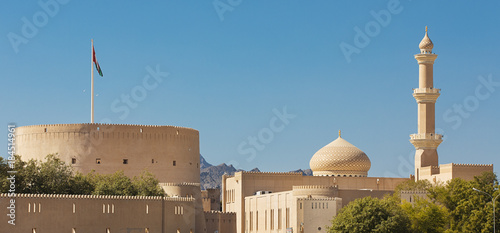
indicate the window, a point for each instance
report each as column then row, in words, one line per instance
column 73, row 230
column 45, row 130
column 174, row 163
column 98, row 161
column 300, row 205
column 287, row 218
column 147, row 209
column 74, row 208
column 146, row 230
column 33, row 230
column 272, row 219
column 73, row 160
column 279, row 219
column 257, row 220
column 140, row 130
column 152, row 160
column 265, row 220
column 251, row 221
column 125, row 161
column 108, row 230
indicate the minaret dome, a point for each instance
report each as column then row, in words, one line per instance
column 426, row 44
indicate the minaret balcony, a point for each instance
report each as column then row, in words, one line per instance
column 426, row 95
column 426, row 141
column 430, row 90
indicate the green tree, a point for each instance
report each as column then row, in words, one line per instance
column 4, row 183
column 53, row 176
column 147, row 185
column 412, row 185
column 371, row 215
column 83, row 184
column 469, row 210
column 49, row 177
column 113, row 184
column 426, row 216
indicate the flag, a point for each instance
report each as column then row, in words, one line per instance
column 95, row 62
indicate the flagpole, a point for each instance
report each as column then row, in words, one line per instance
column 92, row 82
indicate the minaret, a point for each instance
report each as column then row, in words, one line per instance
column 426, row 140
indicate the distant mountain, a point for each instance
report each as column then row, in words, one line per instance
column 211, row 176
column 307, row 172
column 204, row 163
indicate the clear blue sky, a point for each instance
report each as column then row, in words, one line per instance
column 231, row 68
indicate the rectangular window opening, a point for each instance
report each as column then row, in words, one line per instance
column 73, row 160
column 98, row 161
column 125, row 161
column 174, row 163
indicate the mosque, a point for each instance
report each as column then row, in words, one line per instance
column 291, row 202
column 252, row 202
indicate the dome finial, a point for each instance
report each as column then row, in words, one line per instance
column 339, row 134
column 425, row 29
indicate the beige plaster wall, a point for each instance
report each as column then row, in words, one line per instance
column 63, row 213
column 243, row 184
column 171, row 153
column 220, row 222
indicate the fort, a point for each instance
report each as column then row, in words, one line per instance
column 171, row 153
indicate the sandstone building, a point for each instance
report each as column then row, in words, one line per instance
column 291, row 202
column 426, row 140
column 252, row 202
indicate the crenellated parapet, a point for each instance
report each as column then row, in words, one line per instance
column 272, row 173
column 471, row 165
column 319, row 199
column 414, row 192
column 95, row 197
column 315, row 187
column 220, row 213
column 180, row 184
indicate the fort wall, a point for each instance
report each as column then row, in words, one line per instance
column 171, row 153
column 220, row 221
column 87, row 213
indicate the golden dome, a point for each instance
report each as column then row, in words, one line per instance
column 340, row 158
column 426, row 43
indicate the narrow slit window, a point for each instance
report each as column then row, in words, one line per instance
column 174, row 163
